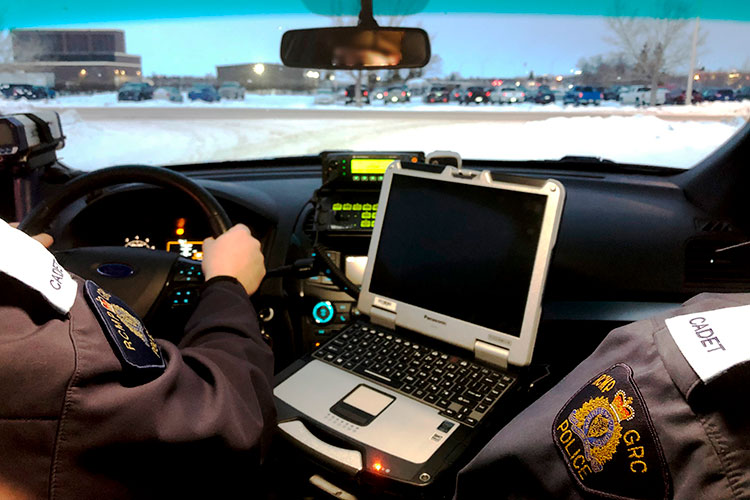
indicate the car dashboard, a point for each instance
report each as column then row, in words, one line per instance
column 630, row 244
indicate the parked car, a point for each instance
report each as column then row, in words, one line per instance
column 583, row 95
column 613, row 93
column 437, row 93
column 457, row 94
column 203, row 92
column 477, row 95
column 324, row 95
column 41, row 92
column 396, row 94
column 508, row 95
column 641, row 96
column 23, row 91
column 232, row 90
column 171, row 94
column 742, row 94
column 718, row 95
column 351, row 97
column 135, row 91
column 544, row 95
column 378, row 93
column 678, row 97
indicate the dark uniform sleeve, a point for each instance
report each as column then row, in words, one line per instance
column 198, row 428
column 632, row 421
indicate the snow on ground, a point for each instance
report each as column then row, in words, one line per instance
column 641, row 138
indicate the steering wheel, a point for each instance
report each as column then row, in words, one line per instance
column 138, row 276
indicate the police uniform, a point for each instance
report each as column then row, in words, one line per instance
column 658, row 411
column 92, row 407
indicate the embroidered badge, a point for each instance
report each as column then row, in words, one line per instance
column 607, row 440
column 131, row 342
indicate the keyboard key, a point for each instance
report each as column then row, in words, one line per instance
column 408, row 389
column 431, row 398
column 481, row 408
column 470, row 421
column 419, row 393
column 443, row 403
column 462, row 400
column 474, row 395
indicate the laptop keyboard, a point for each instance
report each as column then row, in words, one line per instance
column 459, row 388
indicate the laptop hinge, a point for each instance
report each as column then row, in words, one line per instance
column 383, row 318
column 492, row 354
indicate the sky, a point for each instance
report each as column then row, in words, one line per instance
column 483, row 45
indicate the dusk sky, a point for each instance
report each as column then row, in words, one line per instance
column 488, row 45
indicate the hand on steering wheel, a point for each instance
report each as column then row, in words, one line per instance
column 138, row 276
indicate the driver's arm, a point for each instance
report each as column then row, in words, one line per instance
column 198, row 428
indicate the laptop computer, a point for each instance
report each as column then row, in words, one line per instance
column 453, row 290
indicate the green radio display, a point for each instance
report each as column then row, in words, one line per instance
column 370, row 166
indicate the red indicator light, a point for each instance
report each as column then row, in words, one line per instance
column 580, row 95
column 471, row 94
column 403, row 94
column 385, row 94
column 414, row 159
column 364, row 93
column 377, row 466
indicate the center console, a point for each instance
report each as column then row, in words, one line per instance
column 344, row 211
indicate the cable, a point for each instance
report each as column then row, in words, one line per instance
column 335, row 274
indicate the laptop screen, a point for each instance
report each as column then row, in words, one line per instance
column 460, row 250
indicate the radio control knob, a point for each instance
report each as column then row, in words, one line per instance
column 323, row 312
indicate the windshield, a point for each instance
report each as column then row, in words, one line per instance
column 604, row 99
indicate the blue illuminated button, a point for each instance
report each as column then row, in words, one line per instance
column 323, row 312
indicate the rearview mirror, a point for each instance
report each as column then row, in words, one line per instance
column 356, row 48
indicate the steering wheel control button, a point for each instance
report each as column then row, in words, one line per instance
column 323, row 312
column 115, row 270
column 184, row 297
column 188, row 271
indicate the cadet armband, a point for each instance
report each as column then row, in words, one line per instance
column 605, row 436
column 136, row 349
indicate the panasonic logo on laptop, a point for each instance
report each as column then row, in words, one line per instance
column 435, row 320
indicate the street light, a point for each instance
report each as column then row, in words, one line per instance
column 82, row 72
column 258, row 69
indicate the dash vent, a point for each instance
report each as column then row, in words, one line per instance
column 713, row 226
column 308, row 224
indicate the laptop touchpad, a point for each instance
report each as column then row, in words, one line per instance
column 362, row 405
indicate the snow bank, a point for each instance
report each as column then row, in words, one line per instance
column 642, row 139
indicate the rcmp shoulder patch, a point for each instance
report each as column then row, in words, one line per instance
column 133, row 345
column 607, row 440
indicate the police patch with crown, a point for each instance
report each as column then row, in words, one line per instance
column 136, row 349
column 607, row 440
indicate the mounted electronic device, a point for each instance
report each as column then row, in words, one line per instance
column 28, row 147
